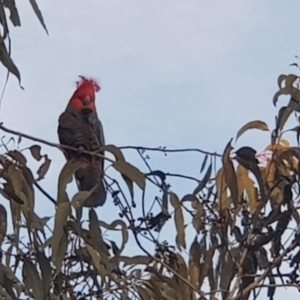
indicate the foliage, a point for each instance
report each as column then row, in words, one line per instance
column 241, row 212
column 243, row 216
column 9, row 8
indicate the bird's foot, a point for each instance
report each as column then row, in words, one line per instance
column 80, row 149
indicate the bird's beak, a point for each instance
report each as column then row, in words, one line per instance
column 87, row 105
column 86, row 101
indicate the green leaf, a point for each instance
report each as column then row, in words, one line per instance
column 66, row 176
column 113, row 226
column 59, row 250
column 14, row 15
column 203, row 163
column 60, row 236
column 203, row 181
column 131, row 172
column 38, row 14
column 45, row 269
column 285, row 112
column 79, row 198
column 32, row 279
column 8, row 62
column 96, row 261
column 135, row 260
column 115, row 151
column 97, row 240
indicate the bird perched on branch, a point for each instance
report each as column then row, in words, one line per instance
column 80, row 127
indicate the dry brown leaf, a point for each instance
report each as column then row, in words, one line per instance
column 230, row 175
column 179, row 221
column 223, row 200
column 247, row 184
column 276, row 195
column 252, row 125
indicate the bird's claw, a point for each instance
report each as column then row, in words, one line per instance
column 80, row 149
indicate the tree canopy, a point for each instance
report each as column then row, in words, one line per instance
column 243, row 215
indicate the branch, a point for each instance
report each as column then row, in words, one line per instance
column 255, row 284
column 163, row 149
column 58, row 146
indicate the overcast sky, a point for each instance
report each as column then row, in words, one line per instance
column 173, row 73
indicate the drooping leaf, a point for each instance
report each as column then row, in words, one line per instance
column 223, row 200
column 113, row 226
column 133, row 173
column 65, row 177
column 115, row 151
column 198, row 218
column 206, row 265
column 179, row 221
column 285, row 112
column 203, row 181
column 257, row 124
column 8, row 62
column 59, row 249
column 79, row 198
column 18, row 156
column 246, row 157
column 38, row 14
column 135, row 260
column 228, row 269
column 288, row 89
column 43, row 169
column 97, row 240
column 46, row 270
column 8, row 281
column 280, row 80
column 14, row 15
column 143, row 293
column 246, row 184
column 32, row 279
column 195, row 252
column 3, row 223
column 59, row 238
column 203, row 163
column 165, row 200
column 230, row 175
column 36, row 152
column 96, row 260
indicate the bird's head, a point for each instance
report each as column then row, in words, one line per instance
column 83, row 98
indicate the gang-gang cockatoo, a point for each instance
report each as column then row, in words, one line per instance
column 80, row 127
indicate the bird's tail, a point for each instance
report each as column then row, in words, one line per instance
column 91, row 177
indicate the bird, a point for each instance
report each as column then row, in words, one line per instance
column 79, row 127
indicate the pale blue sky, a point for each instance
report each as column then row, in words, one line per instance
column 173, row 73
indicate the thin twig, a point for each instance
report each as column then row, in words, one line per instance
column 162, row 149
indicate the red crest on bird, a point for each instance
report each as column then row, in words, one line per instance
column 84, row 96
